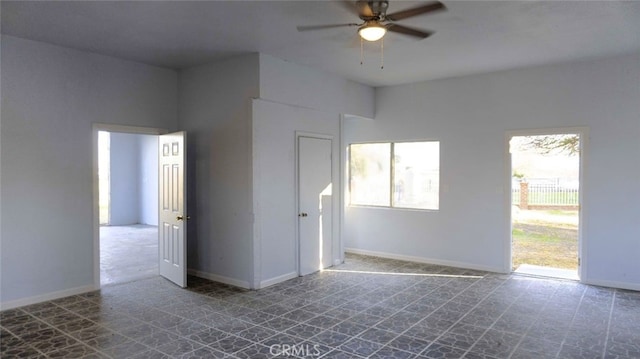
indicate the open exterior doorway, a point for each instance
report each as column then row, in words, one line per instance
column 545, row 228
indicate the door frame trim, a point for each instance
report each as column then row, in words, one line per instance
column 96, row 127
column 298, row 135
column 583, row 131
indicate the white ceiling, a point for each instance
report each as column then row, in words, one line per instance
column 471, row 37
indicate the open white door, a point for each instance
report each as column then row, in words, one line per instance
column 172, row 232
column 315, row 204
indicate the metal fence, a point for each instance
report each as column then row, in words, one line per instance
column 540, row 194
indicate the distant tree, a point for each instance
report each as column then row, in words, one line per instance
column 554, row 143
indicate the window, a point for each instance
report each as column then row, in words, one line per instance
column 411, row 180
column 370, row 182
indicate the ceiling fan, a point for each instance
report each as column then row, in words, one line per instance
column 377, row 22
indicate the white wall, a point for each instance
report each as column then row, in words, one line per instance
column 297, row 85
column 134, row 179
column 293, row 98
column 148, row 180
column 50, row 98
column 470, row 116
column 124, row 179
column 215, row 111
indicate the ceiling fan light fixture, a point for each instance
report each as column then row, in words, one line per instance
column 372, row 31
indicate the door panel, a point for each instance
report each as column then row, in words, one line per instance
column 315, row 204
column 172, row 237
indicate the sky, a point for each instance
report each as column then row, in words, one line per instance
column 532, row 164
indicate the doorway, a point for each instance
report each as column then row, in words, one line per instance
column 128, row 206
column 315, row 203
column 545, row 229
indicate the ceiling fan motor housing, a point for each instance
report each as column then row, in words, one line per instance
column 372, row 10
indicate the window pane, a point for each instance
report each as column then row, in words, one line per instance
column 370, row 174
column 416, row 175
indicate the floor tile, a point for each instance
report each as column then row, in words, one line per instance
column 408, row 343
column 231, row 344
column 339, row 354
column 179, row 347
column 360, row 347
column 208, row 336
column 149, row 354
column 512, row 323
column 571, row 352
column 496, row 344
column 257, row 334
column 74, row 351
column 461, row 336
column 18, row 350
column 157, row 339
column 256, row 351
column 623, row 350
column 349, row 328
column 331, row 338
column 323, row 321
column 438, row 351
column 126, row 350
column 52, row 343
column 342, row 314
column 282, row 339
column 544, row 348
column 391, row 353
column 304, row 331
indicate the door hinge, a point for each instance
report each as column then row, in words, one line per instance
column 579, row 262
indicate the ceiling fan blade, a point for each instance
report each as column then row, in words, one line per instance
column 364, row 9
column 322, row 27
column 409, row 31
column 434, row 6
column 350, row 6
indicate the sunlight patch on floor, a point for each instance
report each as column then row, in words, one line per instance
column 404, row 274
column 530, row 269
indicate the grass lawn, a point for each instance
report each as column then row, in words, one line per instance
column 545, row 239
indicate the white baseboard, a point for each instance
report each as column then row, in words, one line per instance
column 278, row 279
column 612, row 284
column 219, row 278
column 45, row 297
column 424, row 260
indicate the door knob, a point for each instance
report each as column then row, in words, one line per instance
column 180, row 218
column 302, row 214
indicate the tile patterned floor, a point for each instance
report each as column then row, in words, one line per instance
column 367, row 307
